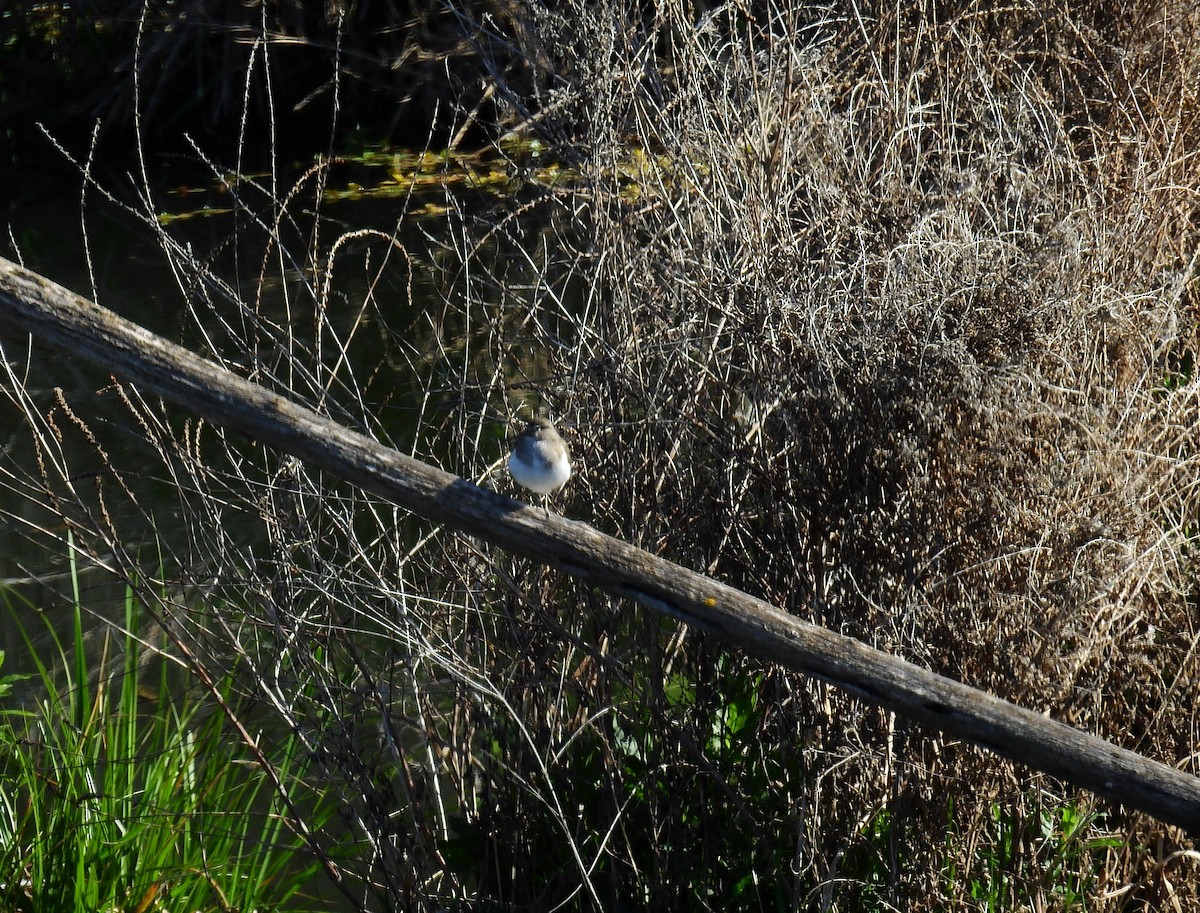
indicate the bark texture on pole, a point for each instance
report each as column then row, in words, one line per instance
column 60, row 318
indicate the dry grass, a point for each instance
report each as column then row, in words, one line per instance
column 896, row 331
column 895, row 341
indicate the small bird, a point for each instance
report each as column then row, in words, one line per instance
column 540, row 460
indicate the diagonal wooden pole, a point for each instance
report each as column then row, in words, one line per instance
column 61, row 318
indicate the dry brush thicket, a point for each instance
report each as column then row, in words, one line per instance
column 892, row 325
column 901, row 339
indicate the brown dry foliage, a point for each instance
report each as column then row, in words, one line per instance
column 901, row 339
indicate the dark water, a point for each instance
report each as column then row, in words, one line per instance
column 87, row 428
column 419, row 358
column 73, row 406
column 47, row 236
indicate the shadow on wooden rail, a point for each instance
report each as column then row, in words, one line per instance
column 58, row 317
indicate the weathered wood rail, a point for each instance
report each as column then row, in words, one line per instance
column 58, row 317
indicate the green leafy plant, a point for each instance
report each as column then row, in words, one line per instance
column 122, row 795
column 1040, row 855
